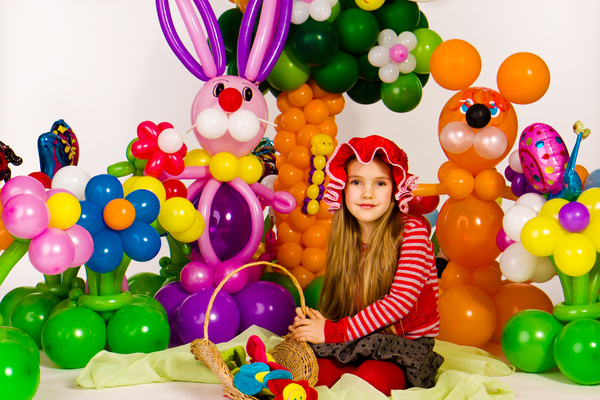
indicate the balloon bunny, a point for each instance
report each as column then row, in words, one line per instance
column 229, row 114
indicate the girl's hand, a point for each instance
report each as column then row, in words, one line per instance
column 311, row 329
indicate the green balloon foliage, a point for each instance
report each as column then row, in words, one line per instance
column 423, row 23
column 31, row 313
column 150, row 301
column 339, row 75
column 145, row 283
column 315, row 43
column 577, row 351
column 289, row 73
column 11, row 299
column 347, row 4
column 335, row 12
column 367, row 71
column 232, row 68
column 19, row 372
column 404, row 94
column 365, row 92
column 358, row 30
column 312, row 292
column 423, row 78
column 284, row 281
column 399, row 15
column 528, row 340
column 427, row 42
column 138, row 328
column 16, row 335
column 74, row 335
column 230, row 22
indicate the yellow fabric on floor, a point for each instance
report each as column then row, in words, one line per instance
column 467, row 372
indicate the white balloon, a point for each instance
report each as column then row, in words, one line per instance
column 73, row 179
column 211, row 123
column 456, row 137
column 268, row 181
column 320, row 10
column 533, row 200
column 515, row 162
column 243, row 125
column 517, row 264
column 387, row 38
column 332, row 3
column 300, row 12
column 170, row 141
column 408, row 39
column 544, row 271
column 515, row 218
column 490, row 142
column 389, row 73
column 408, row 65
column 379, row 56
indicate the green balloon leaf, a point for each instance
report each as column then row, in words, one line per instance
column 339, row 75
column 404, row 94
column 358, row 30
column 289, row 73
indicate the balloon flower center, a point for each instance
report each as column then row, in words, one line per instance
column 119, row 214
column 398, row 53
column 230, row 100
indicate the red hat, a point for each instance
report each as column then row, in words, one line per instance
column 365, row 150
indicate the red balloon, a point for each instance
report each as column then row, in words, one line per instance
column 423, row 204
column 175, row 188
column 230, row 100
column 42, row 178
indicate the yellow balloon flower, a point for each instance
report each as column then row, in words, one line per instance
column 591, row 199
column 193, row 233
column 152, row 184
column 65, row 210
column 540, row 236
column 575, row 255
column 552, row 207
column 592, row 232
column 177, row 215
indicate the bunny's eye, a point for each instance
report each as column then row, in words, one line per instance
column 247, row 94
column 219, row 87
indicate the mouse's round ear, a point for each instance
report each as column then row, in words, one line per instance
column 455, row 64
column 211, row 63
column 256, row 59
column 523, row 78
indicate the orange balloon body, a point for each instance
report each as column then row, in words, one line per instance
column 523, row 78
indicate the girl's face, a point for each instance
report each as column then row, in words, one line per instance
column 368, row 192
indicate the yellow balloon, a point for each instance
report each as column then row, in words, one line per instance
column 592, row 232
column 65, row 210
column 223, row 166
column 193, row 233
column 197, row 158
column 540, row 236
column 177, row 215
column 293, row 391
column 591, row 199
column 312, row 192
column 319, row 162
column 249, row 169
column 551, row 208
column 318, row 177
column 575, row 255
column 128, row 183
column 312, row 207
column 151, row 184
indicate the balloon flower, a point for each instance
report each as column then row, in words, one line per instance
column 163, row 147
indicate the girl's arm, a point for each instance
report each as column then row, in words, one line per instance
column 414, row 266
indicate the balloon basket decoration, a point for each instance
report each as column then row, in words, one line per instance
column 297, row 357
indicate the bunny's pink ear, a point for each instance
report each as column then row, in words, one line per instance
column 211, row 63
column 255, row 64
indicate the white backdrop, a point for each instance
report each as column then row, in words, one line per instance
column 104, row 66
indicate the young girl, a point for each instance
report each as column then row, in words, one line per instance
column 380, row 289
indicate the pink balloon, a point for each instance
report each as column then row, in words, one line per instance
column 264, row 37
column 196, row 275
column 254, row 272
column 51, row 252
column 22, row 184
column 398, row 53
column 82, row 243
column 25, row 215
column 503, row 240
column 234, row 284
column 52, row 192
column 490, row 142
column 456, row 137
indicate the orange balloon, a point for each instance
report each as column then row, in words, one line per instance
column 303, row 276
column 283, row 102
column 326, row 223
column 289, row 255
column 300, row 221
column 315, row 236
column 445, row 168
column 323, row 212
column 582, row 172
column 489, row 184
column 316, row 111
column 282, row 159
column 335, row 102
column 329, row 128
column 455, row 64
column 301, row 96
column 318, row 93
column 290, row 175
column 293, row 119
column 119, row 214
column 486, row 278
column 320, row 273
column 459, row 183
column 284, row 141
column 242, row 4
column 287, row 234
column 299, row 192
column 279, row 186
column 467, row 316
column 280, row 217
column 523, row 78
column 455, row 274
column 306, row 133
column 314, row 259
column 277, row 123
column 5, row 238
column 514, row 297
column 466, row 230
column 299, row 157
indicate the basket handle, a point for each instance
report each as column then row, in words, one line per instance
column 214, row 295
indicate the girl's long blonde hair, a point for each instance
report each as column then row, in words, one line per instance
column 354, row 280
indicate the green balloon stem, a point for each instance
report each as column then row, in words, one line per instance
column 119, row 273
column 92, row 279
column 105, row 302
column 178, row 257
column 594, row 284
column 107, row 284
column 69, row 275
column 56, row 289
column 580, row 289
column 52, row 279
column 566, row 313
column 11, row 256
column 566, row 282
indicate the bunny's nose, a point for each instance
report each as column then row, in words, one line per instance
column 230, row 100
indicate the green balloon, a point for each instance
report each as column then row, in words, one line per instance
column 528, row 340
column 138, row 328
column 423, row 78
column 264, row 87
column 232, row 68
column 149, row 300
column 404, row 94
column 335, row 12
column 274, row 91
column 365, row 92
column 74, row 335
column 339, row 75
column 399, row 15
column 358, row 30
column 284, row 281
column 17, row 335
column 577, row 351
column 120, row 169
column 145, row 283
column 66, row 303
column 31, row 313
column 289, row 73
column 312, row 292
column 347, row 4
column 11, row 299
column 19, row 372
column 230, row 22
column 128, row 152
column 423, row 23
column 315, row 43
column 367, row 71
column 427, row 42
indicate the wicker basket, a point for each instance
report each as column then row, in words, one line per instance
column 297, row 357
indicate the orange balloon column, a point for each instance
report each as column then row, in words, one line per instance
column 306, row 132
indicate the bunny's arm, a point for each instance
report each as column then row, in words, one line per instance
column 282, row 202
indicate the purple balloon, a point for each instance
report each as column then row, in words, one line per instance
column 266, row 304
column 196, row 275
column 224, row 317
column 503, row 240
column 234, row 284
column 509, row 173
column 574, row 217
column 519, row 185
column 254, row 272
column 171, row 296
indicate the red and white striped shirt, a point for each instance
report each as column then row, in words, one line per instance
column 411, row 307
